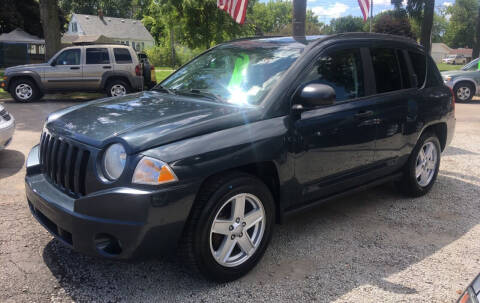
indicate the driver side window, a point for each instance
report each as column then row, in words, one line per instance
column 342, row 70
column 69, row 57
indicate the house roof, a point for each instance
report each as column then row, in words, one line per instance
column 111, row 27
column 75, row 39
column 440, row 47
column 20, row 36
column 462, row 51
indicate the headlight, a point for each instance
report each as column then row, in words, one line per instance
column 153, row 172
column 448, row 78
column 114, row 160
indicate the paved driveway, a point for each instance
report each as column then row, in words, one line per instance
column 376, row 246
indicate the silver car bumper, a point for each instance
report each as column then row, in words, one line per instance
column 7, row 128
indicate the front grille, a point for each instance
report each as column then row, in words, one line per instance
column 5, row 115
column 64, row 164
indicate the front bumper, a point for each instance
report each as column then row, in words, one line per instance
column 7, row 128
column 120, row 223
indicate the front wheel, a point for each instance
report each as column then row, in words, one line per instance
column 25, row 90
column 422, row 167
column 230, row 227
column 464, row 91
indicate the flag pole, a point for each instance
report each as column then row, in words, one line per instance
column 371, row 14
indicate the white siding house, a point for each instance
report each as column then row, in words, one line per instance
column 90, row 27
column 440, row 51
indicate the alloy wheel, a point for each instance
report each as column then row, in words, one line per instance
column 463, row 93
column 24, row 91
column 118, row 90
column 426, row 164
column 237, row 230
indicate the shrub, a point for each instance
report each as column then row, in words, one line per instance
column 160, row 55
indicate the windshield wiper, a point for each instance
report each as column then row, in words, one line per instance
column 202, row 93
column 163, row 88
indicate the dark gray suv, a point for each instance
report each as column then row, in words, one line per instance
column 114, row 69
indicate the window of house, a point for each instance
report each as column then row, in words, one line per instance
column 122, row 56
column 97, row 56
column 69, row 57
column 143, row 46
column 386, row 69
column 32, row 49
column 74, row 27
column 343, row 71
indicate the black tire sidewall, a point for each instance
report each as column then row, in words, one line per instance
column 111, row 83
column 470, row 86
column 415, row 188
column 206, row 262
column 35, row 91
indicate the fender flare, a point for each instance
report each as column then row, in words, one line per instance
column 467, row 80
column 27, row 74
column 123, row 74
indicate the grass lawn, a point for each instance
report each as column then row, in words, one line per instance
column 444, row 67
column 162, row 73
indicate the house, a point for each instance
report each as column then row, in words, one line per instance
column 19, row 47
column 467, row 52
column 91, row 28
column 440, row 51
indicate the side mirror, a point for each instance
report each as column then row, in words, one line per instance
column 314, row 95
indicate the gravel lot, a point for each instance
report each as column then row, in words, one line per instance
column 376, row 246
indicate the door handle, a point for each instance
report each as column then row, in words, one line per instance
column 364, row 114
column 107, row 67
column 75, row 67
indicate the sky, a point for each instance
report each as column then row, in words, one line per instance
column 328, row 9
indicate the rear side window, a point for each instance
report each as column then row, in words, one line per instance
column 387, row 72
column 97, row 56
column 418, row 63
column 122, row 55
column 342, row 70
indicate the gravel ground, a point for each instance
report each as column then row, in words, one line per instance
column 376, row 246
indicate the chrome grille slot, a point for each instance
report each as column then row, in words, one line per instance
column 64, row 164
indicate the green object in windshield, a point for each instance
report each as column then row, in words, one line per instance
column 478, row 66
column 239, row 70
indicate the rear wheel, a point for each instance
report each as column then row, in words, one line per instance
column 422, row 167
column 230, row 226
column 464, row 91
column 25, row 90
column 116, row 88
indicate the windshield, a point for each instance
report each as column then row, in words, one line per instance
column 240, row 73
column 473, row 65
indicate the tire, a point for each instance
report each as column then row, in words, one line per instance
column 25, row 90
column 201, row 248
column 412, row 185
column 114, row 87
column 464, row 91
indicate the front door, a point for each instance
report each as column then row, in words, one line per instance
column 66, row 71
column 336, row 142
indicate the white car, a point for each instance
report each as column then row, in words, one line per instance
column 7, row 127
column 455, row 59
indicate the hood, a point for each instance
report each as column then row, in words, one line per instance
column 25, row 67
column 454, row 73
column 147, row 119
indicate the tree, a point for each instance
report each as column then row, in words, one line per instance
column 20, row 14
column 110, row 8
column 345, row 24
column 463, row 18
column 51, row 26
column 423, row 11
column 476, row 46
column 393, row 22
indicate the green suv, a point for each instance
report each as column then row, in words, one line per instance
column 465, row 82
column 114, row 69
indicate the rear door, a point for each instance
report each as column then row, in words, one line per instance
column 97, row 62
column 396, row 101
column 66, row 71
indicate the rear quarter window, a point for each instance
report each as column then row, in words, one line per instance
column 418, row 64
column 122, row 56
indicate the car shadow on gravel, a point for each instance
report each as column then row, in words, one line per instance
column 11, row 161
column 366, row 239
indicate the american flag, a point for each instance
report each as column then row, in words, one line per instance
column 235, row 8
column 365, row 7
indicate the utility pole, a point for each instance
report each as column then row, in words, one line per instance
column 299, row 16
column 371, row 14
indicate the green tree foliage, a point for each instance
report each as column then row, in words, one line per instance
column 394, row 22
column 423, row 12
column 345, row 24
column 461, row 28
column 111, row 8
